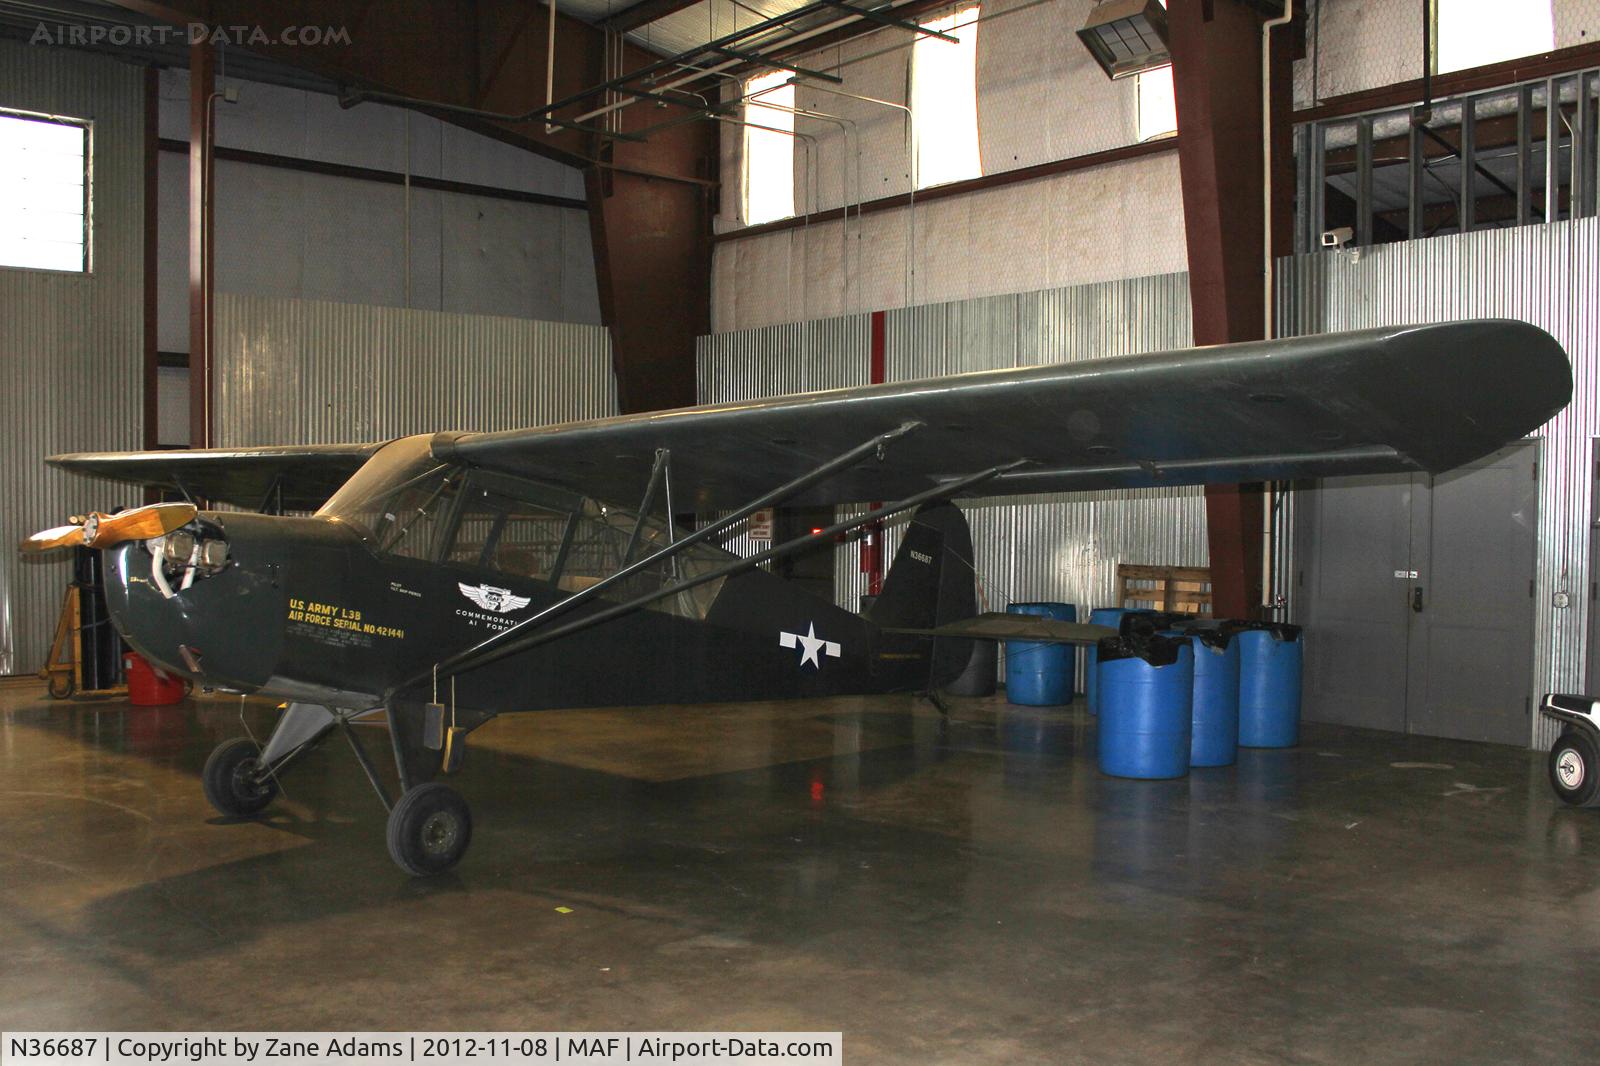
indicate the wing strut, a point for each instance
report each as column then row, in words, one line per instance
column 516, row 639
column 844, row 460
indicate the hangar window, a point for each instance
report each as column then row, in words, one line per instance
column 944, row 100
column 1472, row 33
column 1158, row 108
column 768, row 148
column 44, row 192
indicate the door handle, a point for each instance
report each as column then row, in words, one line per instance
column 1416, row 599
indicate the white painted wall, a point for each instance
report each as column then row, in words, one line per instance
column 1040, row 98
column 1352, row 45
column 1119, row 221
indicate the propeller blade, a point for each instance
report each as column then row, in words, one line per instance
column 50, row 539
column 141, row 523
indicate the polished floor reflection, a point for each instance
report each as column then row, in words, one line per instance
column 952, row 892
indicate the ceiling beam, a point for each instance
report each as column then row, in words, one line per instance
column 643, row 13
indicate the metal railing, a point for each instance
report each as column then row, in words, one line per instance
column 1511, row 156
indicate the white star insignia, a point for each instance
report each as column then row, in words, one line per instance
column 811, row 646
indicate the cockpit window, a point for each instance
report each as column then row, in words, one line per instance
column 521, row 528
column 407, row 503
column 398, row 499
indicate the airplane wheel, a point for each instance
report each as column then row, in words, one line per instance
column 227, row 779
column 1575, row 769
column 429, row 829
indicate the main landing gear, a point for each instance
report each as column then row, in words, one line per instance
column 429, row 827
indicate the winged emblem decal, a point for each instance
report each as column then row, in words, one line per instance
column 498, row 600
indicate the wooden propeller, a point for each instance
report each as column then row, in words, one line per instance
column 104, row 530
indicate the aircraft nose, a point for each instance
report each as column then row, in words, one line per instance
column 202, row 601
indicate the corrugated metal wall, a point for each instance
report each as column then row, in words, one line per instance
column 71, row 343
column 1546, row 275
column 1062, row 547
column 307, row 371
column 831, row 353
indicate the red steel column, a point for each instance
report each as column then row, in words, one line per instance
column 872, row 543
column 1216, row 52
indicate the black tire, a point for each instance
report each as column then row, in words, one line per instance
column 61, row 686
column 429, row 829
column 1574, row 766
column 227, row 779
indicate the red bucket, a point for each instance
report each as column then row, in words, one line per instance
column 147, row 686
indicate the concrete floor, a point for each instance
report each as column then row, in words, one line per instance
column 855, row 865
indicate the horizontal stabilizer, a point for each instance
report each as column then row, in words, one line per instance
column 997, row 626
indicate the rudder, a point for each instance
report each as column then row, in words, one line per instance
column 931, row 582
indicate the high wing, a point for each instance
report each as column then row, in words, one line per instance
column 1409, row 398
column 1404, row 398
column 297, row 477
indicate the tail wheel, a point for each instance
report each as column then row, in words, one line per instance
column 1575, row 769
column 229, row 779
column 429, row 829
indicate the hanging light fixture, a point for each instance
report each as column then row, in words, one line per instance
column 1127, row 36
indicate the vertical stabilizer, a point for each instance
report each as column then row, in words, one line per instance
column 931, row 582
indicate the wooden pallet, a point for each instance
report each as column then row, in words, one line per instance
column 1178, row 589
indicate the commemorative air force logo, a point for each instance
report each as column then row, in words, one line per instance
column 492, row 599
column 810, row 645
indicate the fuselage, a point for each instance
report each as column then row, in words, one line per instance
column 310, row 609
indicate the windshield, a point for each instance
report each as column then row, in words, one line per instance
column 400, row 484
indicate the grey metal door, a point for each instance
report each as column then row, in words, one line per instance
column 1354, row 532
column 1471, row 641
column 1417, row 598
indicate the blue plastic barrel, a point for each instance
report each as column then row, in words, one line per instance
column 1214, row 718
column 1100, row 616
column 1040, row 675
column 1145, row 709
column 1270, row 660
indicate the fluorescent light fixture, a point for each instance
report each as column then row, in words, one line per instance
column 1127, row 36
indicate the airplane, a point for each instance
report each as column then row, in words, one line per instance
column 444, row 578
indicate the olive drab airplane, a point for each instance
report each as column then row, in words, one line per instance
column 443, row 579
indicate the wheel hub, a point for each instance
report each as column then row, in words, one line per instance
column 245, row 785
column 1569, row 769
column 439, row 833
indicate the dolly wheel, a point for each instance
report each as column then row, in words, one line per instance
column 429, row 829
column 229, row 779
column 1575, row 769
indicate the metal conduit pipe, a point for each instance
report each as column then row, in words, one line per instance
column 803, row 35
column 1269, row 505
column 813, row 186
column 850, row 130
column 809, row 140
column 911, row 199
